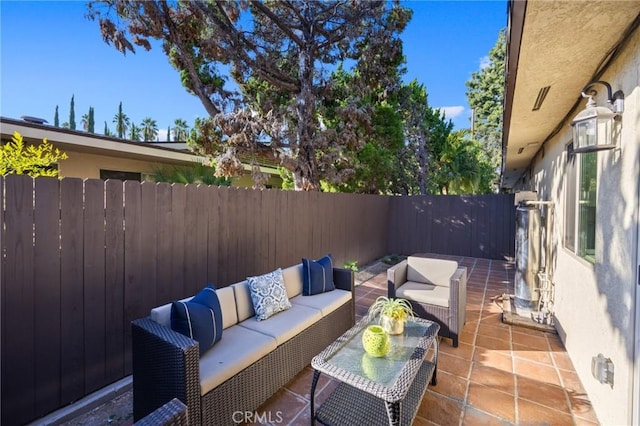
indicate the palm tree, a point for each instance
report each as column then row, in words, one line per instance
column 121, row 121
column 180, row 130
column 85, row 122
column 135, row 133
column 149, row 129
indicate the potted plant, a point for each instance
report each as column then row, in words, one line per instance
column 393, row 313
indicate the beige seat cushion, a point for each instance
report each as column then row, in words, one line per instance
column 162, row 314
column 325, row 302
column 238, row 349
column 293, row 280
column 431, row 271
column 424, row 293
column 286, row 324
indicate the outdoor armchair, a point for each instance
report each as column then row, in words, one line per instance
column 436, row 289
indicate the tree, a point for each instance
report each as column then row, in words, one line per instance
column 169, row 134
column 461, row 167
column 135, row 133
column 84, row 120
column 32, row 160
column 149, row 129
column 180, row 130
column 107, row 132
column 485, row 93
column 121, row 121
column 282, row 48
column 56, row 118
column 72, row 115
column 91, row 126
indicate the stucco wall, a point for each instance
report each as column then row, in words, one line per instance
column 595, row 304
column 88, row 166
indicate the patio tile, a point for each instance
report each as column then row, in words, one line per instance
column 530, row 413
column 492, row 377
column 464, row 350
column 492, row 343
column 530, row 340
column 501, row 332
column 473, row 416
column 451, row 386
column 301, row 384
column 492, row 401
column 454, row 365
column 542, row 393
column 440, row 409
column 500, row 360
column 282, row 407
column 536, row 355
column 562, row 360
column 543, row 373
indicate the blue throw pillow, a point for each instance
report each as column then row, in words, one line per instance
column 199, row 318
column 317, row 276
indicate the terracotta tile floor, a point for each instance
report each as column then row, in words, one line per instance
column 499, row 374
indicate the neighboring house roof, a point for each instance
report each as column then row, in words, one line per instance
column 554, row 49
column 78, row 141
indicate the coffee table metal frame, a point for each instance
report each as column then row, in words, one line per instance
column 362, row 400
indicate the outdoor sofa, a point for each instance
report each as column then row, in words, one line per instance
column 436, row 289
column 252, row 360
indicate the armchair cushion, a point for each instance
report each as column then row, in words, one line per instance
column 317, row 276
column 424, row 293
column 199, row 318
column 431, row 271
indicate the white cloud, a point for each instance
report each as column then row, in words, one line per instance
column 485, row 61
column 452, row 111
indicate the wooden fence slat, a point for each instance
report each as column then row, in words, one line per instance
column 47, row 299
column 18, row 396
column 178, row 201
column 213, row 235
column 164, row 246
column 133, row 273
column 114, row 280
column 149, row 242
column 94, row 285
column 192, row 284
column 201, row 235
column 72, row 299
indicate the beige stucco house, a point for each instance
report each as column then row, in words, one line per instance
column 93, row 156
column 554, row 51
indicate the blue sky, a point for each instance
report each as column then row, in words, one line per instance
column 50, row 51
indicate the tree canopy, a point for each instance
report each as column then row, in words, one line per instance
column 485, row 95
column 32, row 160
column 280, row 54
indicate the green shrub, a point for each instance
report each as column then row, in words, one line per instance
column 32, row 160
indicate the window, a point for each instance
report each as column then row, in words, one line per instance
column 114, row 174
column 580, row 204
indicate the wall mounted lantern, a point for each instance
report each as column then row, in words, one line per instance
column 593, row 126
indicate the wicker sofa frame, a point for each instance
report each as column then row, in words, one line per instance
column 166, row 365
column 452, row 318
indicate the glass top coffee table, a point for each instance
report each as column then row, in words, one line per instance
column 374, row 391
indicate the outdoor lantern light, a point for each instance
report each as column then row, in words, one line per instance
column 593, row 127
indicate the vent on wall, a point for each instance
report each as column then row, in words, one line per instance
column 542, row 94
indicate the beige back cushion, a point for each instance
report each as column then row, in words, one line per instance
column 431, row 271
column 293, row 280
column 162, row 314
column 244, row 304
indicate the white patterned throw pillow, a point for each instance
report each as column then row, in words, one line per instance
column 268, row 294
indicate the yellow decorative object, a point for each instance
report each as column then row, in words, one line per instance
column 375, row 341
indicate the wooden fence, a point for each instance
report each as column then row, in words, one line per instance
column 475, row 225
column 81, row 259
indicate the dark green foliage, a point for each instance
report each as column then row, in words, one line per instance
column 56, row 118
column 196, row 174
column 91, row 125
column 72, row 115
